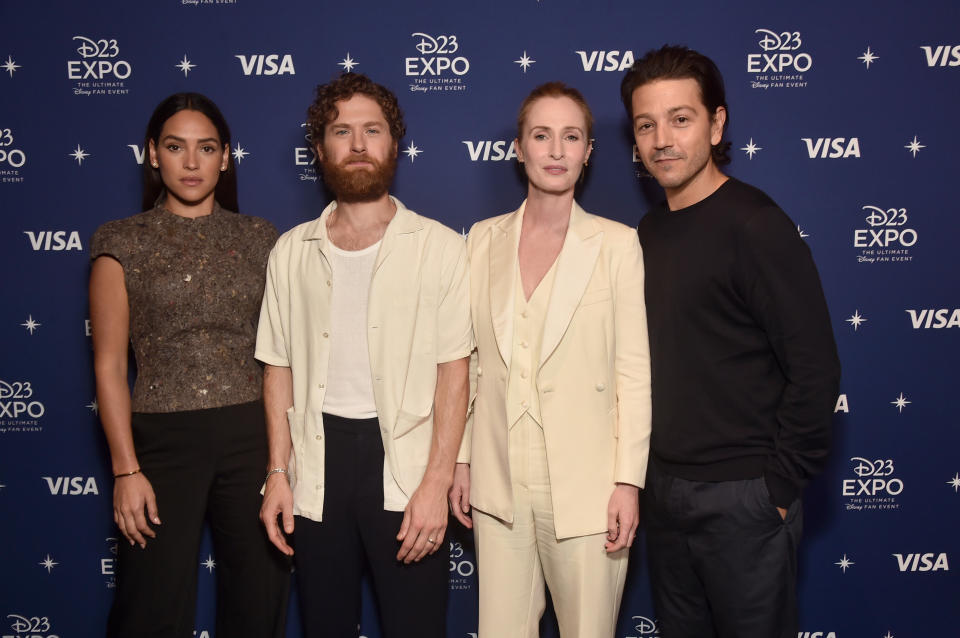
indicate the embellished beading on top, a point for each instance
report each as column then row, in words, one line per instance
column 194, row 287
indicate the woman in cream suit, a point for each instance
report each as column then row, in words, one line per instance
column 557, row 445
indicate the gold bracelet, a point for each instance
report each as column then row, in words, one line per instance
column 122, row 474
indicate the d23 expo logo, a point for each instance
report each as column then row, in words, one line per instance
column 12, row 158
column 461, row 569
column 305, row 157
column 780, row 64
column 439, row 65
column 644, row 627
column 99, row 71
column 19, row 409
column 886, row 238
column 29, row 627
column 874, row 488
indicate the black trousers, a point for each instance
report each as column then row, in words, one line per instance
column 357, row 532
column 202, row 464
column 723, row 563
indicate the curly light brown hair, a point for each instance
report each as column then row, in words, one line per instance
column 324, row 109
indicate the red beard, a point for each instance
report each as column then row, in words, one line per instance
column 359, row 185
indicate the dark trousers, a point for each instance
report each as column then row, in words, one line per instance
column 723, row 563
column 356, row 531
column 202, row 464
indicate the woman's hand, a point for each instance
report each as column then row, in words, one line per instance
column 132, row 495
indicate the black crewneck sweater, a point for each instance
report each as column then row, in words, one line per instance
column 744, row 364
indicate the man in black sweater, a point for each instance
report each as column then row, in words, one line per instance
column 745, row 368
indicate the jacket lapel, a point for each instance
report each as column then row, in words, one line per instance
column 575, row 264
column 504, row 239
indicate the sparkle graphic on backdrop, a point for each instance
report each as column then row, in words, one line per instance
column 239, row 153
column 48, row 563
column 803, row 234
column 93, row 407
column 915, row 146
column 901, row 402
column 10, row 66
column 348, row 63
column 30, row 324
column 751, row 149
column 856, row 319
column 412, row 152
column 524, row 62
column 79, row 154
column 868, row 57
column 185, row 65
column 209, row 563
column 844, row 563
column 954, row 482
column 888, row 635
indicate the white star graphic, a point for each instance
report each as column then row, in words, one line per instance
column 856, row 319
column 2, row 486
column 889, row 635
column 915, row 146
column 48, row 563
column 185, row 65
column 94, row 407
column 524, row 62
column 79, row 155
column 901, row 402
column 10, row 66
column 845, row 563
column 348, row 63
column 412, row 151
column 803, row 235
column 954, row 482
column 30, row 324
column 209, row 563
column 868, row 57
column 751, row 148
column 239, row 153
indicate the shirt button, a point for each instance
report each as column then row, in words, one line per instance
column 523, row 344
column 329, row 283
column 318, row 437
column 524, row 314
column 319, row 487
column 524, row 404
column 601, row 387
column 523, row 374
column 322, row 386
column 325, row 335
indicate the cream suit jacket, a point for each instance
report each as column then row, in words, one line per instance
column 417, row 317
column 594, row 374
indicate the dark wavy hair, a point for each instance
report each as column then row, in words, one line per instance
column 671, row 62
column 153, row 189
column 555, row 89
column 324, row 109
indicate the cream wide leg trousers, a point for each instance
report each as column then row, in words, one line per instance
column 515, row 560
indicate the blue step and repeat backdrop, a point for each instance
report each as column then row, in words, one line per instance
column 844, row 112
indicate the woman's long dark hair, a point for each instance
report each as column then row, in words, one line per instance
column 153, row 189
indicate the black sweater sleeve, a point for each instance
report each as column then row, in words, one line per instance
column 783, row 292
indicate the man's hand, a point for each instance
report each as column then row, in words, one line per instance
column 131, row 496
column 424, row 521
column 623, row 516
column 278, row 500
column 460, row 495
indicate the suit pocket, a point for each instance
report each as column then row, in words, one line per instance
column 411, row 447
column 595, row 296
